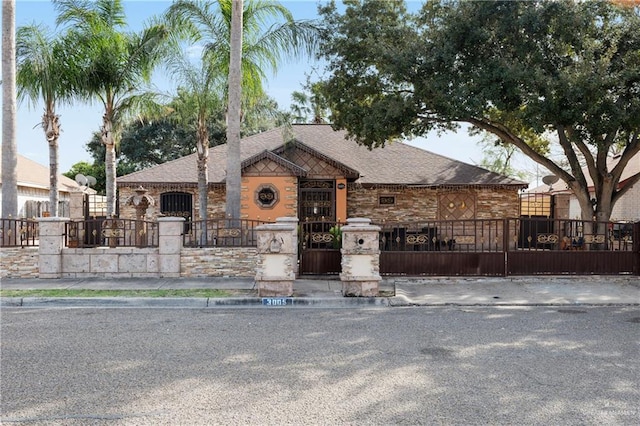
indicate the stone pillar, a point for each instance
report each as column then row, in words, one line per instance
column 277, row 257
column 51, row 235
column 76, row 205
column 360, row 258
column 170, row 230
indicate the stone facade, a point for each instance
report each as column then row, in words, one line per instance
column 218, row 262
column 287, row 188
column 406, row 204
column 215, row 206
column 19, row 262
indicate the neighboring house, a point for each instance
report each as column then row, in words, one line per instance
column 319, row 175
column 566, row 206
column 628, row 207
column 33, row 189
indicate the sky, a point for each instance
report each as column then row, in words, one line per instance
column 79, row 122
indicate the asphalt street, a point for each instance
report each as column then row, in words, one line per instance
column 458, row 365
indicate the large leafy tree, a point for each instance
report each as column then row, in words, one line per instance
column 44, row 75
column 567, row 71
column 117, row 66
column 9, row 146
column 269, row 37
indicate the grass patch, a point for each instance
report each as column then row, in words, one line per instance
column 198, row 292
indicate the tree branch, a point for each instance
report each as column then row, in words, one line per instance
column 503, row 133
column 576, row 168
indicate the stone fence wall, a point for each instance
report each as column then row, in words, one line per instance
column 131, row 262
column 52, row 260
column 19, row 262
column 104, row 262
column 218, row 262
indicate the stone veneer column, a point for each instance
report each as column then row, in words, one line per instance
column 277, row 257
column 360, row 258
column 170, row 230
column 51, row 236
column 76, row 205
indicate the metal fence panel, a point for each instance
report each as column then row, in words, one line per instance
column 19, row 233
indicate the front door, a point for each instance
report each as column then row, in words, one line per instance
column 317, row 201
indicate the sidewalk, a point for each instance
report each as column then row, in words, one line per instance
column 323, row 292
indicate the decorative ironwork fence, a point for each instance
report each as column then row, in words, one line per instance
column 221, row 233
column 498, row 247
column 111, row 233
column 444, row 235
column 19, row 233
column 560, row 234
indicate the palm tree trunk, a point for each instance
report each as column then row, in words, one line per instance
column 51, row 128
column 203, row 167
column 109, row 164
column 9, row 146
column 233, row 180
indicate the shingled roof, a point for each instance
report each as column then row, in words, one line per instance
column 31, row 174
column 395, row 164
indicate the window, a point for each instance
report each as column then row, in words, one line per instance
column 176, row 204
column 266, row 196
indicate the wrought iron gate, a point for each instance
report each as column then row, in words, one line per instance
column 319, row 247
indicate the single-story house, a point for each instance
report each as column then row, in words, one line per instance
column 566, row 206
column 33, row 189
column 313, row 172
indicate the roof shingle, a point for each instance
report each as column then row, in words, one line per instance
column 396, row 163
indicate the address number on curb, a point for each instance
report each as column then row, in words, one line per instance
column 277, row 301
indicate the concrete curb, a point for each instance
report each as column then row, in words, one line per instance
column 104, row 302
column 402, row 302
column 190, row 302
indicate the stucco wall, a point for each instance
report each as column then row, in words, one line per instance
column 286, row 188
column 19, row 262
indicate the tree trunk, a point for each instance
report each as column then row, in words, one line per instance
column 109, row 164
column 51, row 128
column 202, row 149
column 9, row 146
column 233, row 180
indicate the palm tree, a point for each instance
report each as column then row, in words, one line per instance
column 9, row 146
column 201, row 87
column 269, row 36
column 300, row 108
column 116, row 64
column 234, row 117
column 43, row 74
column 304, row 104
